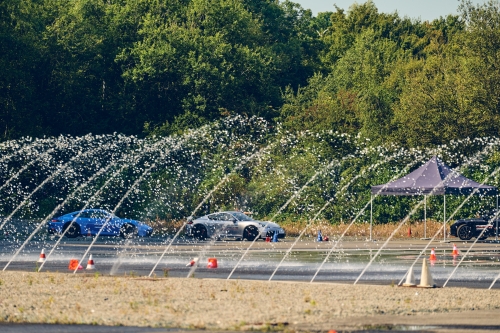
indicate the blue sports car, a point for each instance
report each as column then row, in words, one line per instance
column 90, row 221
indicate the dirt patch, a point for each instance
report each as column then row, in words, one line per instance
column 216, row 304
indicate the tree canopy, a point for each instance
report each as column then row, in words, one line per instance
column 142, row 66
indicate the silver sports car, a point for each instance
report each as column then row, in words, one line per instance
column 235, row 225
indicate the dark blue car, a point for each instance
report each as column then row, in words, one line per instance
column 90, row 221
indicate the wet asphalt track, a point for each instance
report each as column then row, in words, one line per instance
column 138, row 257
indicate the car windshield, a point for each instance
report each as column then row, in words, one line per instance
column 242, row 217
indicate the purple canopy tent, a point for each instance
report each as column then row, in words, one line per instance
column 432, row 178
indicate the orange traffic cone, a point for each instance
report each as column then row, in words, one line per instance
column 42, row 256
column 433, row 255
column 90, row 263
column 212, row 263
column 409, row 230
column 192, row 262
column 455, row 251
column 73, row 264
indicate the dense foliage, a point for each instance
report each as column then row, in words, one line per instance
column 75, row 67
column 128, row 66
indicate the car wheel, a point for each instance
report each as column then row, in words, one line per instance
column 199, row 232
column 72, row 230
column 128, row 231
column 464, row 232
column 250, row 233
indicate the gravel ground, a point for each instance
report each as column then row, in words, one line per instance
column 217, row 304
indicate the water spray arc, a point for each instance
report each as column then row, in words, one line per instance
column 46, row 219
column 24, row 168
column 297, row 193
column 118, row 205
column 137, row 182
column 48, row 179
column 330, row 165
column 494, row 281
column 117, row 172
column 221, row 182
column 101, row 172
column 342, row 190
column 361, row 212
column 38, row 143
column 58, row 207
column 60, row 169
column 23, row 148
column 179, row 144
column 118, row 263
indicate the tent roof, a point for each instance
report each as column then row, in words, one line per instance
column 434, row 178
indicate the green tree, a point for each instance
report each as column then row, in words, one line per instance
column 452, row 92
column 20, row 78
column 86, row 85
column 480, row 45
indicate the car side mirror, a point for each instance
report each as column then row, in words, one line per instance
column 235, row 220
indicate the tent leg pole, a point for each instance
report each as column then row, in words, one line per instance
column 371, row 216
column 444, row 217
column 425, row 216
column 496, row 223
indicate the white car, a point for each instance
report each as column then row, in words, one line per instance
column 233, row 225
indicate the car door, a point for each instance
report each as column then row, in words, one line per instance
column 226, row 225
column 114, row 224
column 100, row 221
column 232, row 226
column 213, row 224
column 83, row 220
